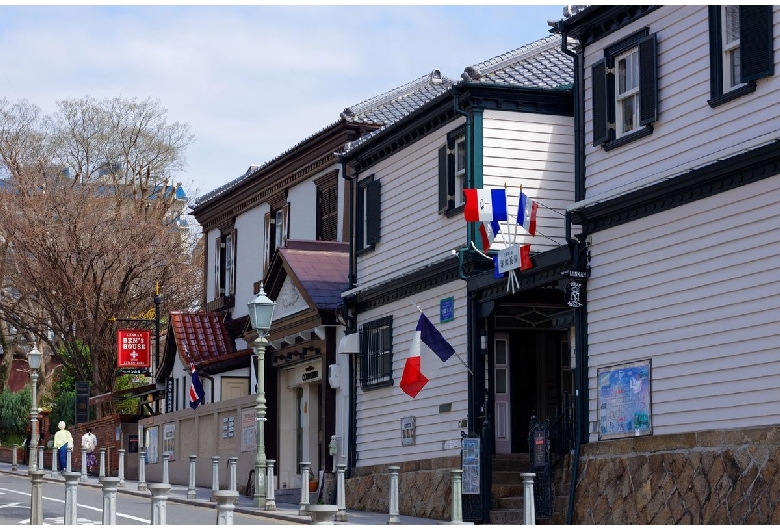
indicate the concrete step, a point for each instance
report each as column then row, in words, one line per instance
column 507, row 517
column 509, row 503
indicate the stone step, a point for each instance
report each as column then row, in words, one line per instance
column 507, row 516
column 507, row 477
column 500, row 491
column 508, row 503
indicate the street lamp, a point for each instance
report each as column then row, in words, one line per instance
column 261, row 312
column 34, row 362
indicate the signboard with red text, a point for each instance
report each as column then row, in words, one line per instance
column 133, row 348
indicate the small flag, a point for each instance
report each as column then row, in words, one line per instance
column 525, row 257
column 196, row 389
column 430, row 336
column 526, row 214
column 485, row 205
column 413, row 380
column 488, row 231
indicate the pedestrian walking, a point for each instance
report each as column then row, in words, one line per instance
column 89, row 442
column 62, row 441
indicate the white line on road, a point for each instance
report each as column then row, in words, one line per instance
column 100, row 509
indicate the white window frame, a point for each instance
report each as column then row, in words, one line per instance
column 731, row 51
column 628, row 93
column 460, row 171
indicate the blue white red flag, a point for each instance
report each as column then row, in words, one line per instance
column 485, row 205
column 488, row 231
column 526, row 214
column 196, row 389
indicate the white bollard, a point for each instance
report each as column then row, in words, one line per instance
column 214, row 476
column 529, row 506
column 109, row 499
column 67, row 466
column 393, row 515
column 102, row 472
column 36, row 500
column 270, row 501
column 83, row 465
column 232, row 468
column 121, row 472
column 14, row 464
column 71, row 487
column 225, row 505
column 304, row 488
column 457, row 502
column 141, row 470
column 191, row 491
column 166, row 458
column 341, row 495
column 39, row 462
column 159, row 502
column 54, row 464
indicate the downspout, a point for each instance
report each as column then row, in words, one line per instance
column 580, row 314
column 350, row 325
column 468, row 183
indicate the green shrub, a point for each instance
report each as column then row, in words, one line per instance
column 14, row 413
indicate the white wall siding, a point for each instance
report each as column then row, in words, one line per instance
column 688, row 132
column 409, row 217
column 379, row 411
column 696, row 290
column 249, row 256
column 537, row 152
column 303, row 211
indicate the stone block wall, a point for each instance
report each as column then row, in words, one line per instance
column 424, row 488
column 706, row 477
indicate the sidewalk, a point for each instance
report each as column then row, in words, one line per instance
column 178, row 493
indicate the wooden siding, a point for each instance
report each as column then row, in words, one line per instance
column 409, row 216
column 379, row 411
column 537, row 152
column 694, row 289
column 688, row 133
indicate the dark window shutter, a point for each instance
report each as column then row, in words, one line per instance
column 267, row 243
column 233, row 268
column 648, row 80
column 755, row 42
column 443, row 181
column 217, row 269
column 716, row 58
column 600, row 130
column 372, row 212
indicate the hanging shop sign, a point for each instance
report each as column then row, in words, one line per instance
column 133, row 348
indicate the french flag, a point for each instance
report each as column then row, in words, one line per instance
column 526, row 214
column 413, row 380
column 488, row 231
column 485, row 205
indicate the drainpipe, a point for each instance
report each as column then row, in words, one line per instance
column 580, row 315
column 468, row 183
column 350, row 324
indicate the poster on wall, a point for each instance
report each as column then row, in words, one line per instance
column 624, row 400
column 470, row 464
column 248, row 430
column 152, row 444
column 169, row 439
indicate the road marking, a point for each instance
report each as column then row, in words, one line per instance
column 85, row 506
column 12, row 505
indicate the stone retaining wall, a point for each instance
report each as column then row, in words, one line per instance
column 706, row 477
column 424, row 488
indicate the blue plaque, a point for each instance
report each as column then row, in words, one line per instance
column 447, row 310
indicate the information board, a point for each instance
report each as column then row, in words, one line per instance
column 624, row 400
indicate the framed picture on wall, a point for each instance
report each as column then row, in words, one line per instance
column 624, row 400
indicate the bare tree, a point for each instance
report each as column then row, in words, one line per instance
column 89, row 225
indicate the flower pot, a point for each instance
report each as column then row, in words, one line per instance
column 313, row 486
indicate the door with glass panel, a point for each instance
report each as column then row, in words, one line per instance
column 502, row 413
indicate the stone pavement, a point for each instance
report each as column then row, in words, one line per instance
column 178, row 493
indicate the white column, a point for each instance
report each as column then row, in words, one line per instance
column 457, row 502
column 39, row 463
column 109, row 499
column 102, row 472
column 304, row 488
column 54, row 464
column 67, row 466
column 341, row 495
column 191, row 491
column 30, row 464
column 214, row 476
column 166, row 458
column 232, row 469
column 225, row 505
column 529, row 506
column 270, row 501
column 142, row 470
column 159, row 502
column 393, row 515
column 83, row 464
column 36, row 500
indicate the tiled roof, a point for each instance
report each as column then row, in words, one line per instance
column 540, row 64
column 202, row 338
column 379, row 110
column 321, row 267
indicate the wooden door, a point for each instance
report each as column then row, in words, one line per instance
column 501, row 396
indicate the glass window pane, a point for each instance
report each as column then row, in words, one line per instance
column 500, row 352
column 628, row 113
column 460, row 156
column 501, row 381
column 732, row 24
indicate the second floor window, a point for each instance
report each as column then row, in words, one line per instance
column 224, row 260
column 627, row 92
column 368, row 210
column 277, row 227
column 327, row 207
column 741, row 50
column 376, row 353
column 452, row 173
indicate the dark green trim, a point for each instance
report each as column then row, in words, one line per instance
column 715, row 178
column 477, row 148
column 598, row 22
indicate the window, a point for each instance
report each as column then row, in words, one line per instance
column 277, row 230
column 224, row 262
column 741, row 50
column 327, row 207
column 625, row 91
column 367, row 218
column 376, row 354
column 452, row 173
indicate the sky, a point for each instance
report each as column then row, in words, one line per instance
column 251, row 81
